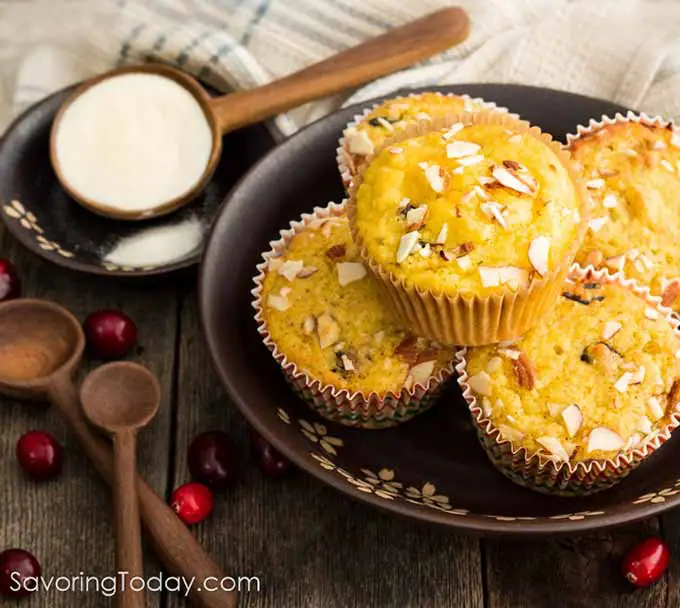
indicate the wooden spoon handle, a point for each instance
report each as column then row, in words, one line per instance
column 128, row 529
column 394, row 50
column 174, row 544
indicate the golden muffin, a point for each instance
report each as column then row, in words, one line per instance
column 469, row 213
column 596, row 379
column 632, row 168
column 365, row 135
column 327, row 325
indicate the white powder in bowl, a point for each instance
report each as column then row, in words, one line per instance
column 158, row 246
column 133, row 142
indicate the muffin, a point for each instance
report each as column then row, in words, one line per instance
column 470, row 228
column 632, row 168
column 326, row 325
column 368, row 131
column 581, row 399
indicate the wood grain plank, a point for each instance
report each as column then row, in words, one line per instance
column 311, row 546
column 67, row 522
column 579, row 572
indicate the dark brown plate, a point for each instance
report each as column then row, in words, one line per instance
column 432, row 468
column 39, row 213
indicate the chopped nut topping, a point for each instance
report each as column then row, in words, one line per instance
column 395, row 150
column 610, row 329
column 407, row 244
column 469, row 161
column 279, row 303
column 510, row 353
column 659, row 144
column 622, row 383
column 346, row 362
column 452, row 131
column 307, row 272
column 404, row 202
column 525, row 372
column 510, row 433
column 290, row 269
column 309, row 325
column 515, row 139
column 504, row 275
column 644, row 425
column 385, row 123
column 485, row 180
column 464, row 262
column 616, row 262
column 539, row 254
column 443, row 233
column 493, row 210
column 480, row 383
column 604, row 440
column 666, row 165
column 348, row 272
column 555, row 409
column 652, row 314
column 284, row 291
column 514, row 180
column 358, row 142
column 458, row 149
column 610, row 201
column 433, row 176
column 554, row 446
column 675, row 140
column 327, row 329
column 638, row 376
column 573, row 418
column 670, row 293
column 415, row 217
column 595, row 184
column 336, row 252
column 494, row 364
column 425, row 250
column 422, row 372
column 596, row 224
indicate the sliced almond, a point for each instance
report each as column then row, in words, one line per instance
column 279, row 303
column 595, row 184
column 407, row 244
column 327, row 329
column 525, row 372
column 404, row 202
column 348, row 272
column 603, row 439
column 638, row 375
column 485, row 180
column 666, row 165
column 515, row 139
column 458, row 149
column 469, row 161
column 675, row 139
column 644, row 425
column 655, row 408
column 555, row 409
column 395, row 150
column 670, row 293
column 290, row 269
column 554, row 447
column 573, row 419
column 652, row 314
column 480, row 383
column 486, row 407
column 309, row 325
column 611, row 328
column 464, row 262
column 451, row 132
column 659, row 144
column 491, row 276
column 615, row 262
column 307, row 272
column 285, row 291
column 358, row 142
column 494, row 364
column 336, row 252
column 433, row 176
column 415, row 218
column 610, row 201
column 425, row 251
column 510, row 180
column 422, row 372
column 622, row 383
column 539, row 254
column 443, row 234
column 597, row 223
column 510, row 353
column 510, row 433
column 493, row 210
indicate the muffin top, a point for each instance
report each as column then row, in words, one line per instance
column 393, row 115
column 598, row 376
column 633, row 173
column 325, row 315
column 476, row 208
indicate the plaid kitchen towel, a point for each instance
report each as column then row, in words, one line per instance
column 623, row 50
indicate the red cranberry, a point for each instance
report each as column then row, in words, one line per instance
column 267, row 458
column 192, row 502
column 39, row 454
column 646, row 562
column 212, row 460
column 10, row 284
column 110, row 334
column 15, row 566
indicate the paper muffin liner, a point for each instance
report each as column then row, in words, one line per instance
column 368, row 410
column 538, row 471
column 472, row 319
column 344, row 158
column 584, row 131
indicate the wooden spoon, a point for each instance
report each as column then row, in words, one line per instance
column 122, row 398
column 41, row 345
column 394, row 50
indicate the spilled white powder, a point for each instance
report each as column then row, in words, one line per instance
column 158, row 246
column 133, row 142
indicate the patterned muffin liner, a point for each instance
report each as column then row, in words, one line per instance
column 471, row 319
column 344, row 158
column 538, row 471
column 583, row 131
column 368, row 410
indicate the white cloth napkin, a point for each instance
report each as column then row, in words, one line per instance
column 621, row 50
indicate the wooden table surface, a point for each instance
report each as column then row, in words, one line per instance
column 310, row 546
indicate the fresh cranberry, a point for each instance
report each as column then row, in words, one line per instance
column 192, row 502
column 39, row 454
column 110, row 334
column 10, row 283
column 15, row 566
column 271, row 463
column 646, row 562
column 212, row 460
